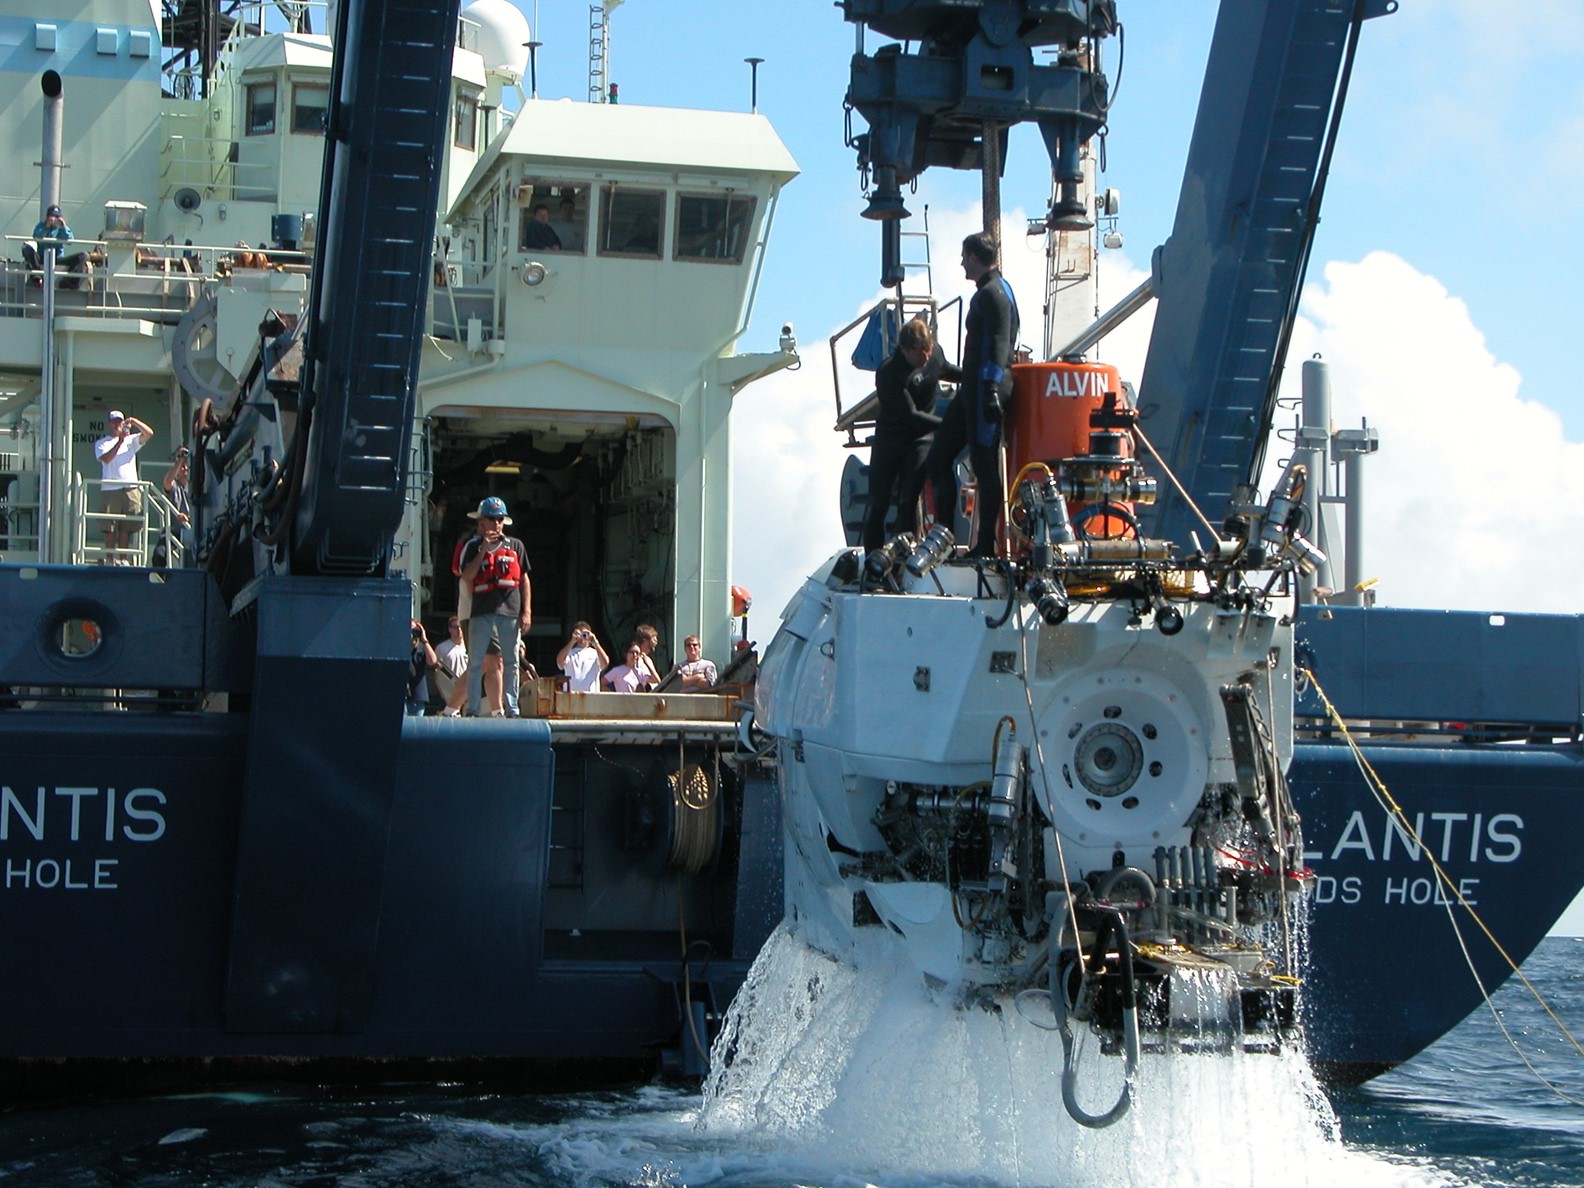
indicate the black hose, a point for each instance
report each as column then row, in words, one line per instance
column 1011, row 599
column 1111, row 928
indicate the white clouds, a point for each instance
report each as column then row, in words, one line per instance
column 1474, row 498
column 786, row 471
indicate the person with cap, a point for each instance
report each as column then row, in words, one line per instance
column 495, row 567
column 50, row 232
column 117, row 453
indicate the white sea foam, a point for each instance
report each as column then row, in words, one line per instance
column 856, row 1066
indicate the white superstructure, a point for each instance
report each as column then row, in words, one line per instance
column 590, row 384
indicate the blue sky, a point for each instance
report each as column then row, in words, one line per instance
column 1442, row 286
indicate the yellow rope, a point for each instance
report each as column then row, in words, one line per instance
column 1383, row 795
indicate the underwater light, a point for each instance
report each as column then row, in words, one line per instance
column 1049, row 599
column 888, row 556
column 931, row 550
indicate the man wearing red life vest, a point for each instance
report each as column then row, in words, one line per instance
column 495, row 568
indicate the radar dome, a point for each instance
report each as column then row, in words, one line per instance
column 502, row 32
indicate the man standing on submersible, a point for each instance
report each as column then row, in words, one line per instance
column 974, row 417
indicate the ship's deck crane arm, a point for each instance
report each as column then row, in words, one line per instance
column 1228, row 278
column 311, row 478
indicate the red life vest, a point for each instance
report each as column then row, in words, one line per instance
column 500, row 570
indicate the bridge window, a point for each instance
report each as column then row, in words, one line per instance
column 630, row 222
column 713, row 226
column 465, row 121
column 563, row 227
column 260, row 109
column 310, row 103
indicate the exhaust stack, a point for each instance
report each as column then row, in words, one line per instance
column 51, row 165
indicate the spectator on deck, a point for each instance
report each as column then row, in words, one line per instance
column 582, row 658
column 175, row 486
column 631, row 677
column 419, row 662
column 451, row 665
column 648, row 641
column 696, row 672
column 50, row 233
column 123, row 494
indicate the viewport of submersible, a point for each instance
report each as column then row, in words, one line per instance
column 1129, row 860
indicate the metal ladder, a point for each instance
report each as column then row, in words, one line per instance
column 599, row 50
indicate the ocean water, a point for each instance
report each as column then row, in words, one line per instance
column 842, row 1082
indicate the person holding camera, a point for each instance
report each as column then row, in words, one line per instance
column 123, row 493
column 419, row 662
column 582, row 658
column 495, row 567
column 175, row 486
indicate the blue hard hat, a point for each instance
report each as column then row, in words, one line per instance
column 493, row 507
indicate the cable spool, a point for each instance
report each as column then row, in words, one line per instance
column 695, row 819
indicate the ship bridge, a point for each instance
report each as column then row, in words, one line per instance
column 595, row 275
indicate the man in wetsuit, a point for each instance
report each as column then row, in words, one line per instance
column 908, row 385
column 974, row 417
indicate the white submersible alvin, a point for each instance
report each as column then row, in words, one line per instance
column 1055, row 779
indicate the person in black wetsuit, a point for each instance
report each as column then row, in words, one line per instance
column 908, row 384
column 974, row 417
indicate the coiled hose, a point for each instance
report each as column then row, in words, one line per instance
column 1111, row 928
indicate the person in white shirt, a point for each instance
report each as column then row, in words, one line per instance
column 582, row 659
column 631, row 677
column 117, row 454
column 452, row 666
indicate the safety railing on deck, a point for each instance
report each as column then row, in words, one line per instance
column 154, row 536
column 156, row 282
column 156, row 531
column 19, row 530
column 882, row 320
column 463, row 292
